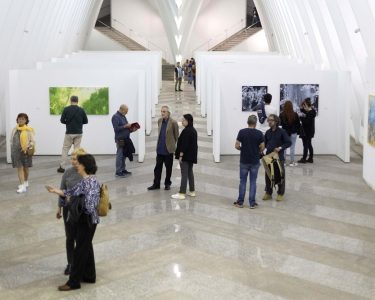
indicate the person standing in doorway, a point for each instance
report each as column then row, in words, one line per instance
column 168, row 135
column 74, row 117
column 250, row 142
column 179, row 73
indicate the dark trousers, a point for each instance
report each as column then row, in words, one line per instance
column 280, row 187
column 167, row 160
column 83, row 268
column 307, row 147
column 70, row 234
column 187, row 173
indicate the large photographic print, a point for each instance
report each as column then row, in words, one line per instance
column 252, row 96
column 299, row 92
column 94, row 100
column 371, row 120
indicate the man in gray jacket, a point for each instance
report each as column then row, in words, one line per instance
column 168, row 135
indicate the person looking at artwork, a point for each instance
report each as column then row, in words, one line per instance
column 276, row 140
column 267, row 99
column 308, row 124
column 69, row 179
column 291, row 124
column 22, row 140
column 166, row 145
column 250, row 142
column 187, row 153
column 179, row 73
column 83, row 267
column 74, row 117
column 122, row 129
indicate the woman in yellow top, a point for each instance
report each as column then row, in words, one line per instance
column 21, row 142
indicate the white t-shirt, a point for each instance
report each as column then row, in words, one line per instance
column 269, row 110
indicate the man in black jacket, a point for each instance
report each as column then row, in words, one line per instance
column 277, row 140
column 73, row 117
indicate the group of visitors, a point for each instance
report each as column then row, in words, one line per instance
column 275, row 136
column 186, row 71
column 79, row 181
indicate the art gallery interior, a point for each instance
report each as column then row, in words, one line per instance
column 316, row 244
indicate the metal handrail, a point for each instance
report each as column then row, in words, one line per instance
column 146, row 43
column 131, row 30
column 207, row 42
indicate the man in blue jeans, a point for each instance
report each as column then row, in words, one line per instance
column 250, row 142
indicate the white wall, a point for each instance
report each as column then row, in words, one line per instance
column 216, row 21
column 255, row 43
column 37, row 30
column 29, row 93
column 149, row 61
column 223, row 81
column 368, row 150
column 139, row 21
column 97, row 41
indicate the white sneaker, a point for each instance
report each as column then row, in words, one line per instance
column 191, row 194
column 293, row 164
column 21, row 189
column 178, row 196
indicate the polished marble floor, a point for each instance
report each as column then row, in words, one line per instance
column 317, row 244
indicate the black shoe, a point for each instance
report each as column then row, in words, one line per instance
column 126, row 173
column 60, row 170
column 167, row 187
column 122, row 175
column 255, row 205
column 175, row 90
column 180, row 90
column 302, row 161
column 153, row 187
column 88, row 280
column 68, row 269
column 310, row 160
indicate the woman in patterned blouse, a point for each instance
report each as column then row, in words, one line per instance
column 83, row 268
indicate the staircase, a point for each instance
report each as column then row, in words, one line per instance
column 121, row 38
column 236, row 39
column 167, row 72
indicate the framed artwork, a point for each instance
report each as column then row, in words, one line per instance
column 297, row 93
column 94, row 100
column 371, row 120
column 252, row 96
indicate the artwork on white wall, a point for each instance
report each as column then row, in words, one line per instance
column 371, row 120
column 252, row 96
column 94, row 100
column 297, row 93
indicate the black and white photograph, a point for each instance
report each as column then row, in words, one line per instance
column 252, row 96
column 297, row 93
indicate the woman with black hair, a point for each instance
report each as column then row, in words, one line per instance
column 187, row 152
column 83, row 268
column 21, row 140
column 308, row 125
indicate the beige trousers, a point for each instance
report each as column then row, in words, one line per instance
column 69, row 140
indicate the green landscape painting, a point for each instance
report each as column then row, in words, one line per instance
column 94, row 100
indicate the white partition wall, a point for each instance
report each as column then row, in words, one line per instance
column 120, row 60
column 224, row 81
column 29, row 92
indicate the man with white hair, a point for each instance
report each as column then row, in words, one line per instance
column 168, row 135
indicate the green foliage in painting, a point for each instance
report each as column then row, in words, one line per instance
column 95, row 101
column 98, row 103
